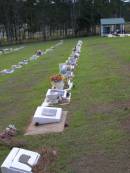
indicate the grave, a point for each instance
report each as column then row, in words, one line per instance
column 7, row 71
column 70, row 85
column 56, row 96
column 39, row 52
column 47, row 128
column 72, row 61
column 67, row 87
column 46, row 115
column 33, row 57
column 16, row 66
column 20, row 161
column 66, row 70
column 69, row 74
column 53, row 94
column 24, row 62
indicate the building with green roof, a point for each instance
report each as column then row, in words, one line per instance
column 112, row 25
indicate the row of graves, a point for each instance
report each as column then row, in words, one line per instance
column 47, row 117
column 10, row 50
column 25, row 61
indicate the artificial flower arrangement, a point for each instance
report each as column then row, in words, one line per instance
column 39, row 52
column 57, row 78
column 57, row 81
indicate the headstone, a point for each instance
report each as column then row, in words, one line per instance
column 20, row 161
column 45, row 115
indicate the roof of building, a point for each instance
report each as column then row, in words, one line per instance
column 112, row 21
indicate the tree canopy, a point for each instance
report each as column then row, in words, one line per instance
column 22, row 18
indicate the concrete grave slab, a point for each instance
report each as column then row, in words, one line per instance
column 47, row 128
column 20, row 161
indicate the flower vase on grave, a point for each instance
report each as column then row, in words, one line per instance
column 57, row 81
column 58, row 85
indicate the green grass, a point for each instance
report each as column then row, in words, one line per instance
column 96, row 111
column 6, row 60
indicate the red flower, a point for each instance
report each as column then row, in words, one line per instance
column 56, row 78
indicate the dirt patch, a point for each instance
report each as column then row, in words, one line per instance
column 100, row 163
column 109, row 107
column 47, row 157
column 126, row 69
column 125, row 125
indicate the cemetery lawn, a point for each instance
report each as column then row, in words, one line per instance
column 98, row 137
